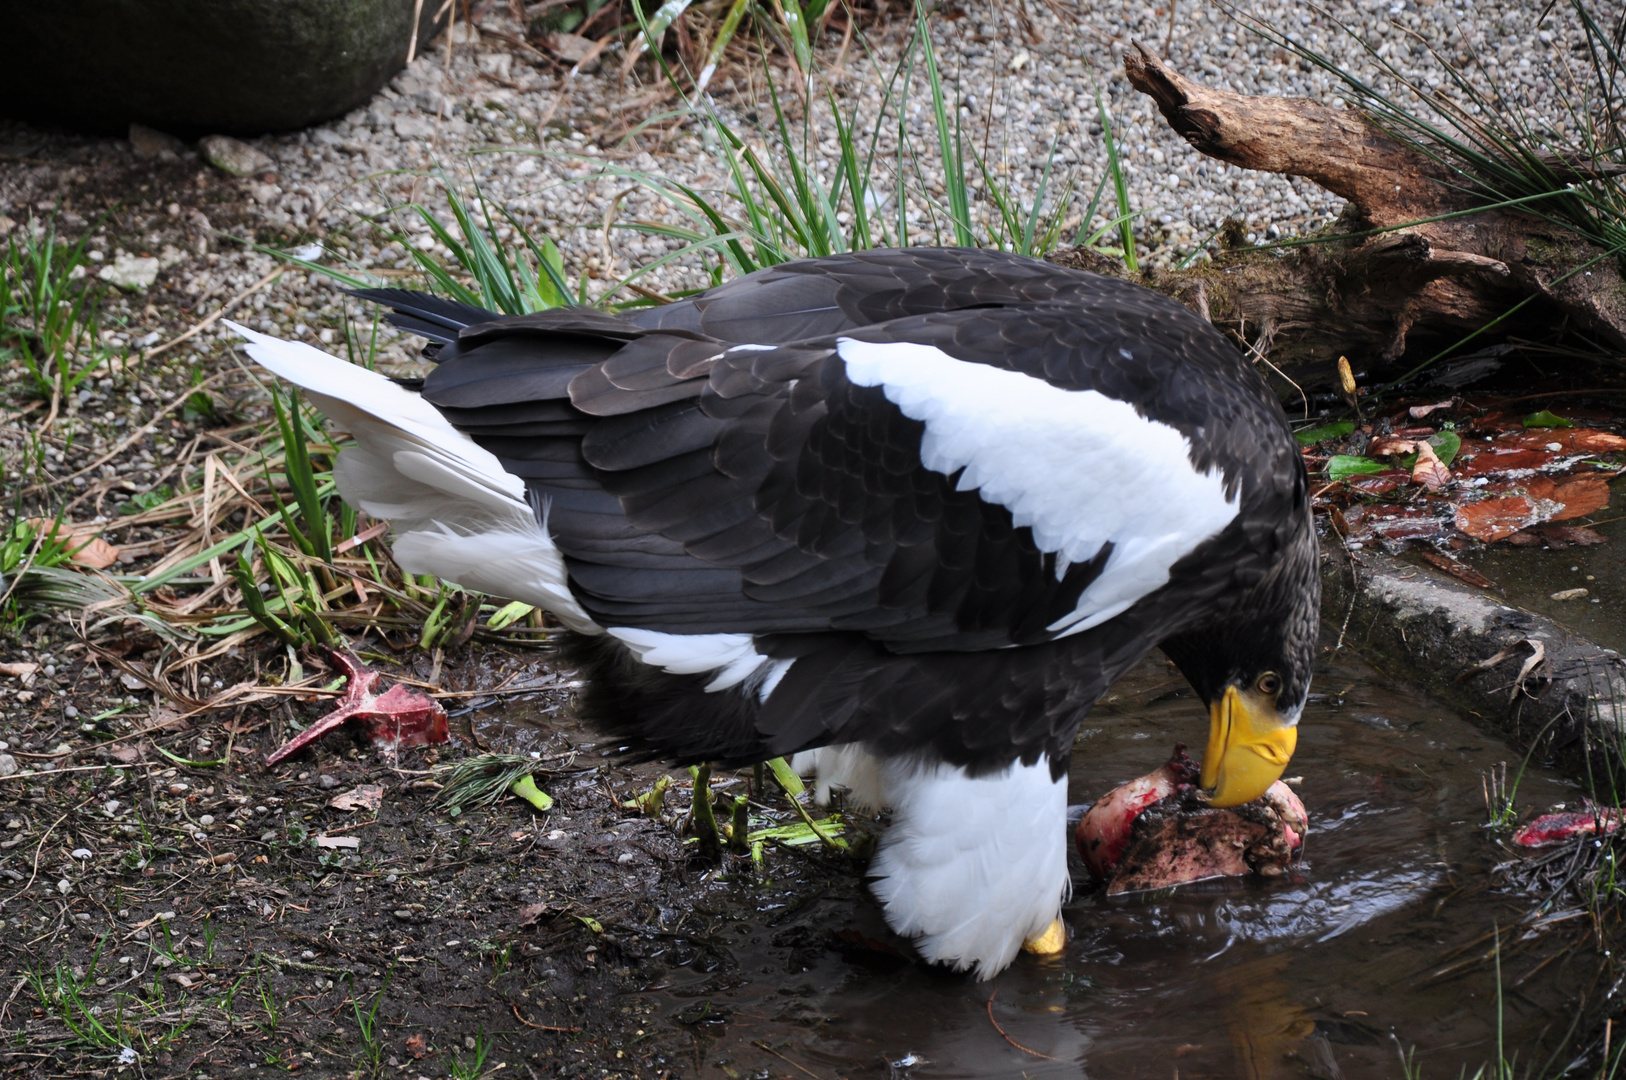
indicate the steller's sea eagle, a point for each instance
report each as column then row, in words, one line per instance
column 904, row 513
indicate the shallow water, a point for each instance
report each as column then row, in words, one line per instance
column 1330, row 973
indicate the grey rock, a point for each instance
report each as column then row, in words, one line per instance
column 8, row 765
column 234, row 157
column 195, row 66
column 132, row 273
column 151, row 144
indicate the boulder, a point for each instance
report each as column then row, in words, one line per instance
column 195, row 67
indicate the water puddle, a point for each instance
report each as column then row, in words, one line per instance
column 1381, row 944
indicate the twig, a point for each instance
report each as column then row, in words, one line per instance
column 210, row 320
column 41, row 774
column 135, row 436
column 1006, row 1036
column 760, row 1045
column 41, row 846
column 541, row 1027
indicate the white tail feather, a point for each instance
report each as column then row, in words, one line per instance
column 457, row 513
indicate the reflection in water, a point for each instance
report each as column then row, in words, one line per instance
column 1264, row 1022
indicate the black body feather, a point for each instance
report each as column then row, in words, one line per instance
column 695, row 487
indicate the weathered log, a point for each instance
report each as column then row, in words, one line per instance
column 1395, row 279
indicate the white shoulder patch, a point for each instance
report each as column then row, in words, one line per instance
column 1080, row 468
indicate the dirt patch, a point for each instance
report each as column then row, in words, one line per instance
column 205, row 918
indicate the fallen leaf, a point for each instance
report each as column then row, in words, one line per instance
column 1578, row 496
column 1547, row 419
column 531, row 912
column 417, row 1045
column 1504, row 462
column 1389, row 446
column 1379, row 483
column 1559, row 537
column 1465, row 574
column 88, row 548
column 361, row 797
column 1335, row 430
column 1496, row 519
column 1419, row 411
column 323, row 840
column 1429, row 471
column 1575, row 440
column 125, row 754
column 21, row 670
column 1343, row 466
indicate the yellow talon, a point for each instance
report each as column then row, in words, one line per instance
column 1049, row 943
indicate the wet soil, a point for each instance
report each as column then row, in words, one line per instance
column 193, row 907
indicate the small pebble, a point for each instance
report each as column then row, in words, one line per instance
column 64, row 886
column 8, row 765
column 81, row 853
column 307, row 955
column 327, row 782
column 206, row 820
column 1569, row 594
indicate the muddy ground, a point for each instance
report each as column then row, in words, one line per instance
column 190, row 915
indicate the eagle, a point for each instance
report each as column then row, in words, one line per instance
column 905, row 514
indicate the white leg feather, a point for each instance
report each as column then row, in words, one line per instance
column 972, row 867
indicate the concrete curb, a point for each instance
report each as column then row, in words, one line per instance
column 1470, row 648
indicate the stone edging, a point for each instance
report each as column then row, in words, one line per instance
column 1421, row 625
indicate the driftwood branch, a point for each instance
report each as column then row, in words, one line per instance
column 1396, row 278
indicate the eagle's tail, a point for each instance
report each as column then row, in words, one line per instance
column 457, row 513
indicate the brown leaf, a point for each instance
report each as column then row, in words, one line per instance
column 88, row 548
column 417, row 1045
column 531, row 912
column 22, row 670
column 1420, row 411
column 1378, row 483
column 1429, row 471
column 1495, row 519
column 1573, row 440
column 1495, row 461
column 1389, row 445
column 1577, row 496
column 1559, row 537
column 1465, row 574
column 361, row 797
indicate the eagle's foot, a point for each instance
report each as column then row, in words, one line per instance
column 1049, row 943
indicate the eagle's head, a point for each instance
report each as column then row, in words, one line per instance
column 1253, row 666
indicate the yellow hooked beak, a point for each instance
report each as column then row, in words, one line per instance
column 1249, row 744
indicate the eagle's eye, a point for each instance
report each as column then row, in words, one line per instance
column 1269, row 684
